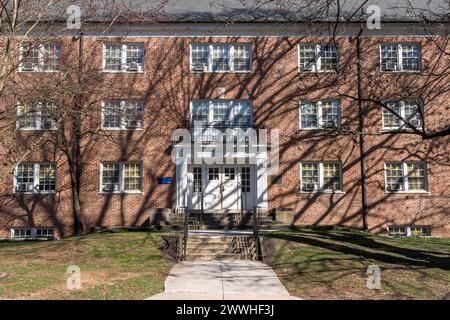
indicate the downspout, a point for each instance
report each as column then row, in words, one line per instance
column 361, row 115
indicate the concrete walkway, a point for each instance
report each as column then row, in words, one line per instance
column 223, row 280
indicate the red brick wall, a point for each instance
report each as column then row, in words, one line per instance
column 275, row 86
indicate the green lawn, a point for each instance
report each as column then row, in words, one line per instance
column 120, row 265
column 332, row 264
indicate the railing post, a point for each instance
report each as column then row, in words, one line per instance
column 256, row 230
column 201, row 210
column 186, row 232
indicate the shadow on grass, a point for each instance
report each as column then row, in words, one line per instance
column 369, row 248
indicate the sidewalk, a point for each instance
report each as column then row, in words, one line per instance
column 223, row 280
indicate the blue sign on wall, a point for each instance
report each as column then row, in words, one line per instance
column 164, row 180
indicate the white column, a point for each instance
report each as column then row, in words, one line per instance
column 261, row 182
column 182, row 183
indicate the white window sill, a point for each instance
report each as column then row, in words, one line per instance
column 398, row 130
column 37, row 193
column 322, row 192
column 122, row 129
column 121, row 193
column 38, row 71
column 125, row 72
column 318, row 71
column 318, row 129
column 195, row 72
column 34, row 129
column 400, row 71
column 409, row 192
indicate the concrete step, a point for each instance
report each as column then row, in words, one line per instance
column 219, row 256
column 209, row 251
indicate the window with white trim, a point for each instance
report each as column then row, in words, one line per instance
column 122, row 115
column 321, row 176
column 400, row 57
column 408, row 110
column 320, row 114
column 39, row 57
column 43, row 116
column 316, row 57
column 35, row 178
column 405, row 176
column 121, row 176
column 222, row 113
column 32, row 233
column 209, row 57
column 409, row 231
column 123, row 57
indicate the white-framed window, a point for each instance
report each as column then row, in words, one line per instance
column 411, row 111
column 39, row 57
column 43, row 116
column 32, row 233
column 320, row 114
column 317, row 57
column 222, row 113
column 35, row 178
column 122, row 114
column 121, row 176
column 208, row 57
column 321, row 176
column 409, row 231
column 123, row 57
column 400, row 57
column 405, row 176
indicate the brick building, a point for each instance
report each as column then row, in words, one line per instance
column 141, row 81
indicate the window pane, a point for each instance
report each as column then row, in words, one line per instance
column 390, row 120
column 330, row 114
column 135, row 57
column 47, row 177
column 50, row 56
column 412, row 114
column 134, row 114
column 245, row 179
column 110, row 177
column 307, row 57
column 221, row 112
column 389, row 57
column 48, row 115
column 200, row 112
column 310, row 176
column 220, row 58
column 308, row 112
column 112, row 114
column 410, row 57
column 132, row 176
column 242, row 114
column 199, row 58
column 27, row 118
column 241, row 58
column 30, row 57
column 394, row 176
column 416, row 176
column 113, row 53
column 331, row 176
column 213, row 174
column 24, row 178
column 197, row 175
column 328, row 58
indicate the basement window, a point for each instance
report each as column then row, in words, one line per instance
column 32, row 233
column 409, row 231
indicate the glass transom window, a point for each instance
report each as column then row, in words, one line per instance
column 320, row 114
column 320, row 176
column 220, row 57
column 400, row 57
